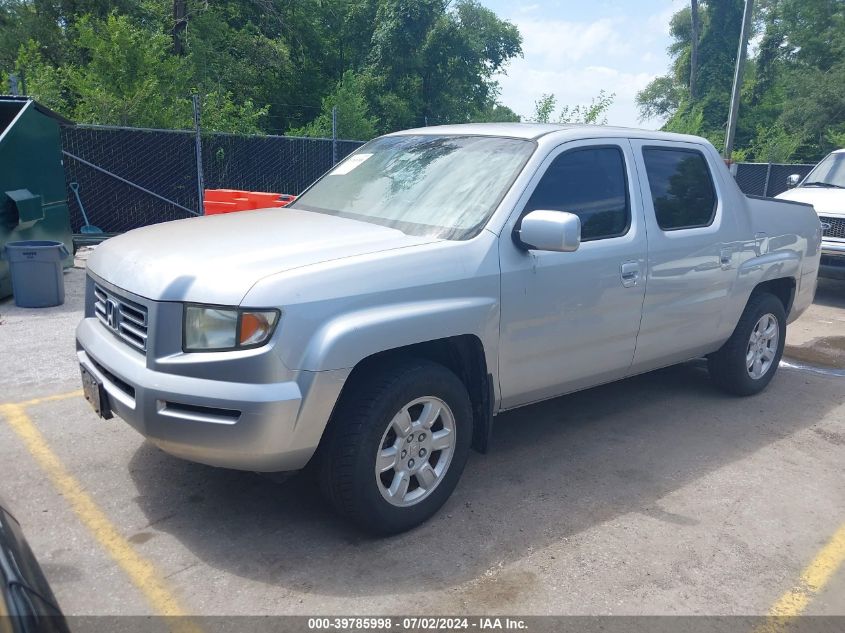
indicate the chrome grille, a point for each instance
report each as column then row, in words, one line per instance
column 127, row 320
column 833, row 227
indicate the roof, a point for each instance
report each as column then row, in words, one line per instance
column 41, row 108
column 537, row 130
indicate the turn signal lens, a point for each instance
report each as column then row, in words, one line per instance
column 256, row 327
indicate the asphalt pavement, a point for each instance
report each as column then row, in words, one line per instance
column 656, row 495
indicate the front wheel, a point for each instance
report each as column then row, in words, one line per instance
column 748, row 361
column 397, row 445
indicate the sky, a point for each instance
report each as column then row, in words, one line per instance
column 574, row 48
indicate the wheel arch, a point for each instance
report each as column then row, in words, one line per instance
column 464, row 355
column 783, row 288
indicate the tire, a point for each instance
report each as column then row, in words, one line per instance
column 365, row 430
column 734, row 366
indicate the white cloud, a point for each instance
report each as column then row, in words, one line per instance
column 574, row 86
column 547, row 42
column 576, row 59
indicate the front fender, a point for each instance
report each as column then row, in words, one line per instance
column 347, row 339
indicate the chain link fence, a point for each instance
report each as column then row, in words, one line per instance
column 129, row 177
column 767, row 179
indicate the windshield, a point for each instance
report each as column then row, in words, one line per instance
column 440, row 186
column 830, row 172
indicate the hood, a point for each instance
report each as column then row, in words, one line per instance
column 217, row 259
column 826, row 201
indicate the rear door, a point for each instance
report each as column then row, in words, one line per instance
column 692, row 257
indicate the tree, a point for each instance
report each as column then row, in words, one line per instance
column 129, row 78
column 595, row 113
column 353, row 117
column 659, row 99
column 544, row 108
column 264, row 65
column 431, row 62
column 781, row 84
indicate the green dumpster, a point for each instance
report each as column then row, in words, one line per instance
column 33, row 194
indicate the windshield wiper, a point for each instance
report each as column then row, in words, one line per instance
column 819, row 183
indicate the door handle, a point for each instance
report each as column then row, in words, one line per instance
column 630, row 273
column 725, row 258
column 759, row 243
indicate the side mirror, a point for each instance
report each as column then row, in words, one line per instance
column 556, row 231
column 793, row 180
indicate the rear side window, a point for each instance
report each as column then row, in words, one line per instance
column 681, row 188
column 589, row 182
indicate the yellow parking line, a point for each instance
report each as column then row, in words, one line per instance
column 813, row 580
column 141, row 572
column 58, row 396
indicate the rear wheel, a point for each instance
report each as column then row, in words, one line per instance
column 748, row 361
column 397, row 445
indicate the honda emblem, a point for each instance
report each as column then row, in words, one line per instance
column 112, row 314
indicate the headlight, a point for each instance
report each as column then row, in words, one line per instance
column 216, row 329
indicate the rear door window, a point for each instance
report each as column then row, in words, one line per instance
column 681, row 187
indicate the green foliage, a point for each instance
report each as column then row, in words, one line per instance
column 42, row 78
column 129, row 78
column 544, row 108
column 794, row 89
column 353, row 118
column 659, row 99
column 495, row 113
column 773, row 144
column 432, row 62
column 836, row 137
column 595, row 113
column 269, row 65
column 221, row 112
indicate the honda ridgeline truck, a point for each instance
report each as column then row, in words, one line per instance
column 431, row 280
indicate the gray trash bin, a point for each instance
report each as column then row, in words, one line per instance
column 36, row 270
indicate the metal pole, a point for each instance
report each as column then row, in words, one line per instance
column 198, row 143
column 334, row 135
column 768, row 177
column 128, row 182
column 740, row 67
column 13, row 84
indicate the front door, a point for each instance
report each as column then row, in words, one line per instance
column 570, row 320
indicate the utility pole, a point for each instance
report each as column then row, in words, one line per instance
column 740, row 67
column 693, row 57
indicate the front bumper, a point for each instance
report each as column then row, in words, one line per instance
column 266, row 427
column 832, row 263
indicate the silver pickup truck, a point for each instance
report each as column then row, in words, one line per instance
column 431, row 280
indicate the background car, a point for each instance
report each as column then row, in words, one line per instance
column 824, row 188
column 27, row 603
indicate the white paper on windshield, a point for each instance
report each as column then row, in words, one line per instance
column 349, row 165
